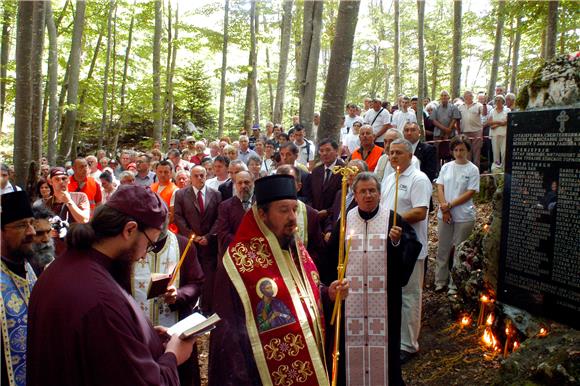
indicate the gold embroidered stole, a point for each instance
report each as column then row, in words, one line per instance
column 14, row 314
column 162, row 262
column 281, row 304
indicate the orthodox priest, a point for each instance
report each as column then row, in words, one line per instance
column 83, row 326
column 16, row 279
column 179, row 299
column 270, row 298
column 380, row 264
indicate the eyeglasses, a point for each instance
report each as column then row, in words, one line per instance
column 151, row 244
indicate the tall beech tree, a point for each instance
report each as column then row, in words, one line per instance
column 66, row 143
column 224, row 69
column 334, row 97
column 308, row 70
column 285, row 33
column 456, row 55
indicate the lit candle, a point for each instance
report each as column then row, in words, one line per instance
column 543, row 332
column 516, row 345
column 176, row 270
column 489, row 320
column 507, row 340
column 398, row 173
column 484, row 299
column 465, row 321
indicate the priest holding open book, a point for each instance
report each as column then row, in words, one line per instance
column 83, row 325
column 270, row 298
column 166, row 284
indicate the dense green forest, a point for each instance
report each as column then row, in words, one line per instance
column 77, row 76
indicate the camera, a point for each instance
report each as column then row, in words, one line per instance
column 59, row 225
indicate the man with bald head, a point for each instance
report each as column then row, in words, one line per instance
column 82, row 182
column 195, row 213
column 232, row 210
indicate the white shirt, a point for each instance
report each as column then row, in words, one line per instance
column 471, row 117
column 352, row 141
column 456, row 180
column 383, row 118
column 203, row 191
column 415, row 191
column 214, row 183
column 494, row 115
column 9, row 188
column 306, row 152
column 401, row 118
column 348, row 120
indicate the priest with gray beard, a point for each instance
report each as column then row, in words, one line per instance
column 380, row 263
column 43, row 252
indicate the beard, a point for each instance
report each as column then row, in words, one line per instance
column 244, row 195
column 42, row 254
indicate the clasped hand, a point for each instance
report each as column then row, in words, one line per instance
column 338, row 287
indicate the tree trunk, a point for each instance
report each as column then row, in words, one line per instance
column 105, row 108
column 456, row 56
column 270, row 81
column 338, row 71
column 52, row 86
column 509, row 57
column 224, row 69
column 23, row 97
column 118, row 127
column 309, row 62
column 37, row 80
column 257, row 107
column 283, row 62
column 421, row 70
column 4, row 55
column 66, row 143
column 169, row 39
column 250, row 89
column 157, row 73
column 515, row 56
column 92, row 66
column 434, row 75
column 497, row 48
column 170, row 75
column 396, row 60
column 552, row 29
column 113, row 72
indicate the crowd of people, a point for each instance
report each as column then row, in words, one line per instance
column 262, row 213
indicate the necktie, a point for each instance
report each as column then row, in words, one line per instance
column 326, row 176
column 200, row 202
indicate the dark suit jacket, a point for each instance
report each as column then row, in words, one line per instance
column 227, row 189
column 315, row 245
column 331, row 221
column 428, row 157
column 188, row 220
column 322, row 195
column 230, row 214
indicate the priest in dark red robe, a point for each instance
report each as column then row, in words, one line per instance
column 270, row 298
column 84, row 328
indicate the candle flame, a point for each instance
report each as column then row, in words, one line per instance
column 489, row 339
column 466, row 320
column 484, row 298
column 543, row 332
column 485, row 227
column 507, row 330
column 489, row 320
column 398, row 169
column 516, row 345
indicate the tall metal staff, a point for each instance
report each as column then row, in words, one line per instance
column 341, row 268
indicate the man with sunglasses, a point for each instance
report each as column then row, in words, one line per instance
column 83, row 325
column 17, row 279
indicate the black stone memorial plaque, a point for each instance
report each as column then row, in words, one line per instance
column 540, row 244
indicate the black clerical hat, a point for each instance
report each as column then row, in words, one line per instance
column 15, row 206
column 274, row 188
column 139, row 202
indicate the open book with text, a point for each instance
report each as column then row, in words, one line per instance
column 194, row 325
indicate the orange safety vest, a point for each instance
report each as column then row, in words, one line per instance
column 166, row 193
column 90, row 189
